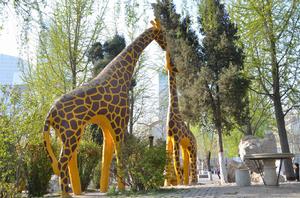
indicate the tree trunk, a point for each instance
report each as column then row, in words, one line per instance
column 74, row 76
column 289, row 171
column 248, row 130
column 223, row 171
column 218, row 124
column 288, row 165
column 208, row 156
column 268, row 25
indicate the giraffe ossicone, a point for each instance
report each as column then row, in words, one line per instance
column 102, row 101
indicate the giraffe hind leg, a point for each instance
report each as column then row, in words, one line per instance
column 193, row 159
column 64, row 176
column 74, row 174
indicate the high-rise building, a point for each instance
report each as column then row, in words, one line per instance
column 10, row 73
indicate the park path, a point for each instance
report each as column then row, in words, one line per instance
column 215, row 190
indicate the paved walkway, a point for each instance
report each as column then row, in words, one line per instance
column 214, row 190
column 286, row 190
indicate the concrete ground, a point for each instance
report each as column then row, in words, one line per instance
column 285, row 190
column 213, row 189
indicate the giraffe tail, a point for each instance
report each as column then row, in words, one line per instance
column 48, row 147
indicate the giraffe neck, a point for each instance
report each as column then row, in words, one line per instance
column 129, row 56
column 173, row 97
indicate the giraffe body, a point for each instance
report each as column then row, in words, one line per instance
column 102, row 101
column 179, row 137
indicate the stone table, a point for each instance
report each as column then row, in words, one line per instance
column 268, row 174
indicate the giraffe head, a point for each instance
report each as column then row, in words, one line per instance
column 169, row 63
column 160, row 38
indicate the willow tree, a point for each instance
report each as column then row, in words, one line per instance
column 61, row 64
column 66, row 38
column 270, row 32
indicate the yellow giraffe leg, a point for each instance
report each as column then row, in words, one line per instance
column 121, row 185
column 177, row 167
column 74, row 174
column 169, row 166
column 107, row 155
column 185, row 166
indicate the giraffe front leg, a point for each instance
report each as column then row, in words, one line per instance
column 169, row 166
column 107, row 155
column 186, row 164
column 177, row 167
column 74, row 174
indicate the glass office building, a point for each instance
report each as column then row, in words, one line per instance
column 10, row 73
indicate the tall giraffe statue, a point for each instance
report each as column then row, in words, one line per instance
column 178, row 136
column 102, row 101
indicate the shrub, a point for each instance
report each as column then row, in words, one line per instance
column 8, row 190
column 97, row 175
column 38, row 169
column 88, row 157
column 143, row 165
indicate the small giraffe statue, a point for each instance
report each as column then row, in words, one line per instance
column 102, row 101
column 178, row 136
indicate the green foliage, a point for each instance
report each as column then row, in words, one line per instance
column 10, row 121
column 231, row 143
column 97, row 175
column 102, row 55
column 38, row 169
column 89, row 155
column 185, row 51
column 8, row 190
column 143, row 165
column 206, row 140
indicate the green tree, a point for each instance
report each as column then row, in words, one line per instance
column 270, row 32
column 221, row 84
column 211, row 79
column 66, row 41
column 136, row 20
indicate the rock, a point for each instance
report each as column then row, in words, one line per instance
column 256, row 178
column 282, row 179
column 232, row 165
column 252, row 145
column 53, row 184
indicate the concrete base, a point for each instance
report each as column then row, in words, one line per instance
column 242, row 177
column 270, row 176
